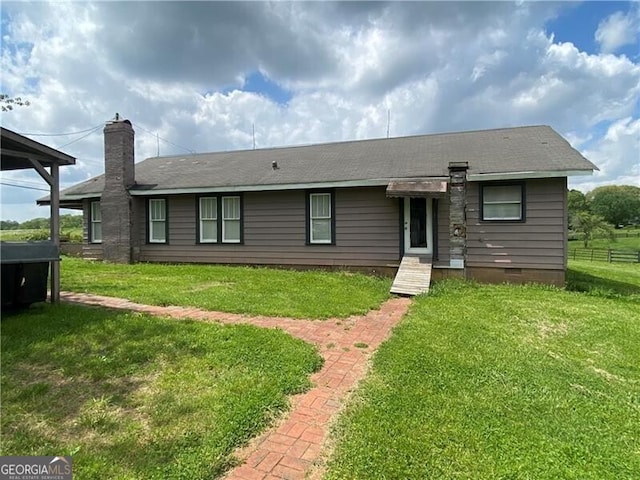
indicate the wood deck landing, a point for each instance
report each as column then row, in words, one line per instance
column 414, row 275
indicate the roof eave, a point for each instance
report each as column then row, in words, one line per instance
column 67, row 198
column 484, row 177
column 261, row 188
column 141, row 191
column 377, row 182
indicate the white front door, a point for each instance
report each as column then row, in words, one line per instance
column 418, row 226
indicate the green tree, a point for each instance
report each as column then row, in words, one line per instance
column 7, row 103
column 576, row 203
column 617, row 204
column 67, row 221
column 9, row 225
column 591, row 225
column 70, row 221
column 35, row 223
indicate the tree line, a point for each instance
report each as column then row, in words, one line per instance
column 67, row 221
column 603, row 209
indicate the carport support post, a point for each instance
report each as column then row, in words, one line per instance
column 55, row 231
column 53, row 179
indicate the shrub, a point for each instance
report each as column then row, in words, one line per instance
column 37, row 235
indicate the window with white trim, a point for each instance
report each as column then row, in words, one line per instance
column 157, row 220
column 320, row 218
column 208, row 219
column 231, row 219
column 502, row 202
column 96, row 222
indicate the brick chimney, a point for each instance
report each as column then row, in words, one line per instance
column 116, row 204
column 457, row 213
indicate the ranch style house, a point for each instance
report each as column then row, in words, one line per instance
column 489, row 205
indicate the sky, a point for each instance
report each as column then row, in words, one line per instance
column 204, row 76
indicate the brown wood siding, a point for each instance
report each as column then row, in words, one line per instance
column 538, row 242
column 92, row 250
column 565, row 229
column 367, row 231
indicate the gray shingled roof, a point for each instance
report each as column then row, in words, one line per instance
column 521, row 149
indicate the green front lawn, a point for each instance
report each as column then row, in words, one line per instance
column 484, row 382
column 249, row 290
column 136, row 397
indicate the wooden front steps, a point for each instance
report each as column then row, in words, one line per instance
column 414, row 275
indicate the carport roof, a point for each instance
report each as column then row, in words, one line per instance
column 16, row 149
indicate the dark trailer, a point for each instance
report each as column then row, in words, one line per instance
column 25, row 264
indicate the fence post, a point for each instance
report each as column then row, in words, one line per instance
column 609, row 254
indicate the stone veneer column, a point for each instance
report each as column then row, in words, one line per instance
column 115, row 204
column 457, row 213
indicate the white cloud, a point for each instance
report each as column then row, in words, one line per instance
column 617, row 155
column 436, row 66
column 618, row 30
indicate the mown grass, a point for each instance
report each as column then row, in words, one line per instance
column 604, row 279
column 618, row 243
column 254, row 291
column 485, row 381
column 137, row 397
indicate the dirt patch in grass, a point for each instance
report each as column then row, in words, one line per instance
column 79, row 409
column 211, row 285
column 547, row 329
column 608, row 375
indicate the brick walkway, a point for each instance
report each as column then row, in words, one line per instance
column 291, row 449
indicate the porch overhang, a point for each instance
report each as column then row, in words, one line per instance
column 417, row 187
